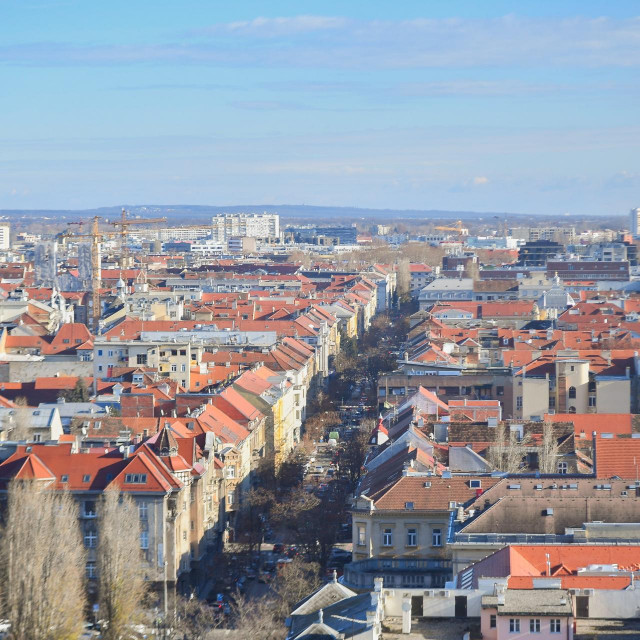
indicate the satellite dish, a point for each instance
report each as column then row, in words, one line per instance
column 121, row 448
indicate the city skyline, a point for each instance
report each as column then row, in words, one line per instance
column 413, row 107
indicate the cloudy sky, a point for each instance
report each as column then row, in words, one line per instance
column 522, row 106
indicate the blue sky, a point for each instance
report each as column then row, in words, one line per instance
column 527, row 107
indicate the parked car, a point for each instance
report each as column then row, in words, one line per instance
column 278, row 547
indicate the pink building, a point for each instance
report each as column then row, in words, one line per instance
column 527, row 614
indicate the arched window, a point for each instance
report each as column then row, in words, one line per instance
column 572, row 392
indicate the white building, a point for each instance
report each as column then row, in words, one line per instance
column 634, row 222
column 5, row 236
column 183, row 233
column 253, row 225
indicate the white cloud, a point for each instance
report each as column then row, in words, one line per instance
column 478, row 181
column 272, row 27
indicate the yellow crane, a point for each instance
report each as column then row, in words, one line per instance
column 96, row 236
column 457, row 227
column 124, row 223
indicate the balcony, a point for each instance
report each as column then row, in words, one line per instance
column 397, row 573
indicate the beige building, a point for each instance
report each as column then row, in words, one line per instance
column 569, row 384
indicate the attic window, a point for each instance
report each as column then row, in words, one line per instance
column 86, row 478
column 135, row 478
column 427, row 485
column 513, row 486
column 408, row 506
column 64, row 478
column 475, row 484
column 453, row 504
column 65, row 341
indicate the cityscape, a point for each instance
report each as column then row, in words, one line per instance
column 407, row 407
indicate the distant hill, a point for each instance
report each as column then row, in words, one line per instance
column 196, row 212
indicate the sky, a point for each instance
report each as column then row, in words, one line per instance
column 529, row 107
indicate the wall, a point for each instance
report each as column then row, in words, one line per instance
column 29, row 371
column 615, row 604
column 613, row 396
column 535, row 397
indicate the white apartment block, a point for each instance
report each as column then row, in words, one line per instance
column 634, row 222
column 168, row 234
column 5, row 235
column 252, row 225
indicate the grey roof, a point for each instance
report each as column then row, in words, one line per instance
column 532, row 601
column 348, row 616
column 323, row 597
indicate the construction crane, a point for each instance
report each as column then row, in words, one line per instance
column 96, row 236
column 457, row 227
column 124, row 223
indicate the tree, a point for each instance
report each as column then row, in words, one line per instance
column 548, row 454
column 79, row 393
column 507, row 451
column 256, row 618
column 195, row 618
column 42, row 564
column 355, row 452
column 121, row 586
column 296, row 580
column 252, row 518
column 20, row 421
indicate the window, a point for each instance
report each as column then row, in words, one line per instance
column 592, row 401
column 408, row 506
column 135, row 478
column 65, row 341
column 64, row 478
column 90, row 569
column 144, row 539
column 387, row 538
column 141, row 358
column 184, row 535
column 436, row 538
column 231, row 472
column 475, row 484
column 555, row 625
column 183, row 352
column 412, row 537
column 86, row 478
column 143, row 510
column 518, row 402
column 174, row 367
column 534, row 625
column 99, row 352
column 514, row 625
column 563, row 467
column 362, row 535
column 183, row 367
column 231, row 497
column 90, row 539
column 572, row 392
column 492, row 621
column 90, row 509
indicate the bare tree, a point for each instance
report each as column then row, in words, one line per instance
column 256, row 618
column 42, row 564
column 195, row 618
column 296, row 580
column 121, row 587
column 548, row 453
column 508, row 450
column 21, row 422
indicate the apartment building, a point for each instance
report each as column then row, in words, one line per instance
column 254, row 225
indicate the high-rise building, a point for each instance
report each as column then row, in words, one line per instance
column 634, row 222
column 251, row 225
column 5, row 236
